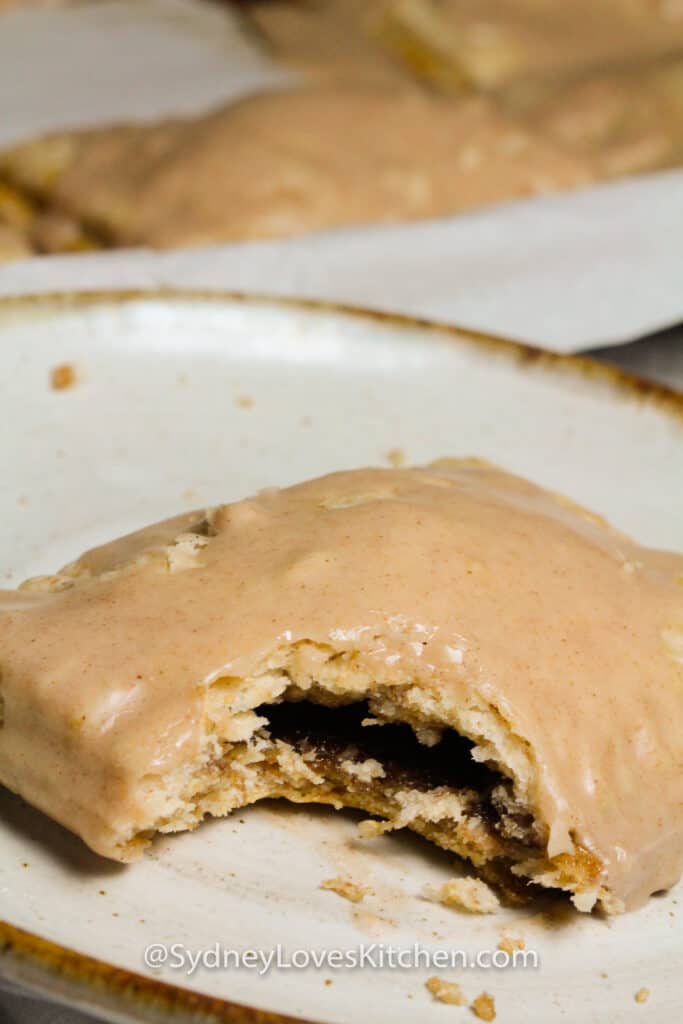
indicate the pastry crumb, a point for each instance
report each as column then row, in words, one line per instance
column 642, row 995
column 244, row 402
column 372, row 923
column 345, row 887
column 445, row 991
column 508, row 944
column 370, row 828
column 396, row 457
column 63, row 377
column 484, row 1007
column 470, row 894
column 366, row 770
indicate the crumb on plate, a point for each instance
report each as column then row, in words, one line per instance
column 445, row 991
column 484, row 1007
column 63, row 377
column 346, row 888
column 508, row 944
column 469, row 894
column 370, row 828
column 396, row 457
column 642, row 995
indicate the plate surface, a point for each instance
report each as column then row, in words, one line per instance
column 185, row 401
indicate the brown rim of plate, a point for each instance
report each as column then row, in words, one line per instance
column 75, row 978
column 46, row 969
column 628, row 384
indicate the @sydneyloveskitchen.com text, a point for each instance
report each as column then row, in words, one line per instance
column 373, row 956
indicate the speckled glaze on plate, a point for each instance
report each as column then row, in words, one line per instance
column 186, row 400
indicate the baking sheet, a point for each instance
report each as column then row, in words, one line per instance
column 600, row 266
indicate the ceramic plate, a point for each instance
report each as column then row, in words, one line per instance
column 184, row 401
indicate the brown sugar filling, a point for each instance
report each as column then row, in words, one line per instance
column 334, row 738
column 438, row 791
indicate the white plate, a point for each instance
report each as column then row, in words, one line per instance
column 186, row 401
